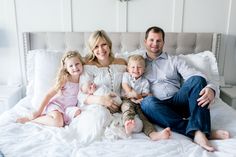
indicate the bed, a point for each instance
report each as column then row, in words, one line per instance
column 42, row 51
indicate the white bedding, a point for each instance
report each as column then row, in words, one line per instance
column 33, row 140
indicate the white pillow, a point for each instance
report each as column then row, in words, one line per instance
column 206, row 63
column 30, row 63
column 125, row 55
column 46, row 65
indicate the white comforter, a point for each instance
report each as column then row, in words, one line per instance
column 33, row 140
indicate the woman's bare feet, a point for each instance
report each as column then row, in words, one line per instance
column 23, row 120
column 200, row 139
column 164, row 134
column 129, row 126
column 219, row 135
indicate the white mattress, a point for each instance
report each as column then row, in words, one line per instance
column 33, row 140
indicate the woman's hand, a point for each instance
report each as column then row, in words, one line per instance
column 109, row 102
column 207, row 97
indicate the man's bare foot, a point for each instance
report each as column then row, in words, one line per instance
column 164, row 134
column 23, row 120
column 220, row 134
column 200, row 138
column 129, row 126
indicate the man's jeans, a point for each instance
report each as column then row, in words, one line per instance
column 181, row 112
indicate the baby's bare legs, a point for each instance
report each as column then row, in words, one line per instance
column 161, row 135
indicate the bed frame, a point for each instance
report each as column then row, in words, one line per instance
column 51, row 140
column 175, row 43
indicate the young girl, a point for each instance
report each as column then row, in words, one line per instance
column 59, row 106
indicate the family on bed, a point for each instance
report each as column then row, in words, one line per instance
column 149, row 86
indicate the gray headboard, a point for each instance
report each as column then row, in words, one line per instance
column 175, row 43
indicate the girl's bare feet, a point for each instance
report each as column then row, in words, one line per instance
column 77, row 113
column 200, row 139
column 129, row 126
column 164, row 134
column 220, row 134
column 23, row 120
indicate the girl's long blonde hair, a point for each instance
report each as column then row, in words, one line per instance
column 63, row 75
column 92, row 42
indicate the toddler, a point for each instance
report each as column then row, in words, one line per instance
column 135, row 87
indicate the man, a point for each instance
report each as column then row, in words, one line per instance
column 183, row 108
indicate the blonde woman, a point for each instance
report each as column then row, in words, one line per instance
column 104, row 70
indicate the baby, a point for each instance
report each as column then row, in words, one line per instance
column 92, row 89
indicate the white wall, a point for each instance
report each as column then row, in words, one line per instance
column 230, row 58
column 10, row 70
column 205, row 15
column 17, row 16
column 89, row 15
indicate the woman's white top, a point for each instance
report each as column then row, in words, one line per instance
column 109, row 76
column 97, row 116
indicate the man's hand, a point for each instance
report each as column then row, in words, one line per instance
column 207, row 96
column 109, row 102
column 136, row 101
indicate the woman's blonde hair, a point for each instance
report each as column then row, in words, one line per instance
column 63, row 75
column 92, row 42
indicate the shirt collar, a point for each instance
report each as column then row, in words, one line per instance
column 133, row 79
column 162, row 56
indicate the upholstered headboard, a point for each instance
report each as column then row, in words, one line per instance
column 175, row 43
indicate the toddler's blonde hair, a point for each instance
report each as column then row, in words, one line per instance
column 137, row 58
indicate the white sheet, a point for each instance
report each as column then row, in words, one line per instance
column 33, row 140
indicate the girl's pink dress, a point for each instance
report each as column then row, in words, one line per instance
column 65, row 101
